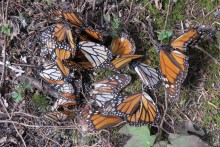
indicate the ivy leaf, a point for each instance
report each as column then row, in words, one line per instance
column 140, row 136
column 6, row 29
column 16, row 96
column 164, row 35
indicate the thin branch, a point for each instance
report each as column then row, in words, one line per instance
column 10, row 116
column 5, row 45
column 216, row 61
column 37, row 126
column 19, row 134
column 168, row 11
column 165, row 111
column 11, row 67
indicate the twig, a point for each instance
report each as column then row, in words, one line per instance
column 19, row 134
column 11, row 67
column 5, row 45
column 165, row 111
column 168, row 10
column 23, row 65
column 37, row 126
column 6, row 111
column 216, row 61
column 50, row 139
column 25, row 114
column 131, row 4
column 45, row 88
column 10, row 116
column 191, row 12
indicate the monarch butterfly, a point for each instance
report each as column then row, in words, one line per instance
column 79, row 62
column 108, row 88
column 66, row 91
column 174, row 63
column 98, row 121
column 78, row 23
column 52, row 74
column 97, row 54
column 149, row 76
column 56, row 116
column 123, row 45
column 62, row 52
column 121, row 60
column 183, row 41
column 174, row 67
column 62, row 32
column 137, row 109
column 65, row 106
column 48, row 43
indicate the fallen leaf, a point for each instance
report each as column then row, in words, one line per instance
column 3, row 139
column 178, row 140
column 140, row 136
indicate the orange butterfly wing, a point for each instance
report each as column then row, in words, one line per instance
column 93, row 34
column 122, row 60
column 137, row 109
column 62, row 32
column 183, row 41
column 98, row 121
column 123, row 45
column 174, row 68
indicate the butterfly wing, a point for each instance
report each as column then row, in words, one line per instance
column 62, row 52
column 137, row 109
column 98, row 121
column 66, row 90
column 52, row 74
column 63, row 32
column 64, row 106
column 47, row 42
column 97, row 54
column 56, row 116
column 123, row 45
column 174, row 68
column 121, row 61
column 149, row 76
column 91, row 34
column 74, row 18
column 107, row 88
column 182, row 42
column 79, row 62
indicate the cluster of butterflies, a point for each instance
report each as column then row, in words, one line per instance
column 71, row 47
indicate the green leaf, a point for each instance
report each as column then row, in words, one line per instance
column 19, row 90
column 115, row 23
column 16, row 96
column 40, row 101
column 186, row 141
column 6, row 29
column 107, row 17
column 164, row 35
column 140, row 136
column 27, row 85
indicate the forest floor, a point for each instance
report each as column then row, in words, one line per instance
column 23, row 102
